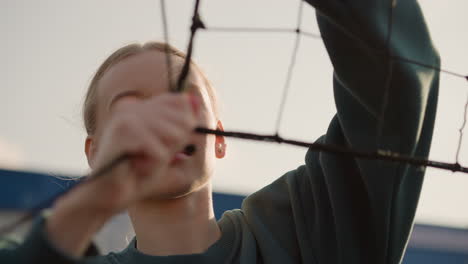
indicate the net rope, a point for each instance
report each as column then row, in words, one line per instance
column 379, row 154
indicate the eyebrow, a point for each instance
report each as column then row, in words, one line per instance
column 123, row 94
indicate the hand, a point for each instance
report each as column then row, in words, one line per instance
column 152, row 132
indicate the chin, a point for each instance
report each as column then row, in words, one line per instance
column 179, row 185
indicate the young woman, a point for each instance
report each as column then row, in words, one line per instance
column 333, row 209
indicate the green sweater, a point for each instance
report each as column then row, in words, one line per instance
column 333, row 209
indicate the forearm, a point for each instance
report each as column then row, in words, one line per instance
column 365, row 38
column 60, row 239
column 63, row 236
column 75, row 220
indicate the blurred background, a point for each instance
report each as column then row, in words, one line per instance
column 51, row 48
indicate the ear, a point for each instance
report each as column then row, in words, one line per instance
column 90, row 150
column 220, row 145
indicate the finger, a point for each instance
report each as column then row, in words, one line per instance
column 171, row 134
column 184, row 121
column 182, row 103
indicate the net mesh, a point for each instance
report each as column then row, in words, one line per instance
column 379, row 154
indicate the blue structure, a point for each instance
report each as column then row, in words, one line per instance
column 429, row 244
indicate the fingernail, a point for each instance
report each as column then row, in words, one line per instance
column 195, row 102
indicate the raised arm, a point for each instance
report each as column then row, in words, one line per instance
column 382, row 103
column 349, row 210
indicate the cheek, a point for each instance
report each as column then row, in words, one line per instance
column 205, row 154
column 209, row 153
column 210, row 145
column 206, row 119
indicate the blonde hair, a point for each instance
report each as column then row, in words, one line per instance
column 90, row 101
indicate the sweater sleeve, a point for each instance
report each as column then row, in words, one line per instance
column 339, row 209
column 36, row 248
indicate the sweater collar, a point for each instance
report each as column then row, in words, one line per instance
column 216, row 253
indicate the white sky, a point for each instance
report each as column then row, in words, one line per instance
column 50, row 49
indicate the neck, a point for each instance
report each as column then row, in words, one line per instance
column 180, row 226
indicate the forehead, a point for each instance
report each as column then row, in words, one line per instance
column 146, row 73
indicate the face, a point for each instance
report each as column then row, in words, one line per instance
column 143, row 76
